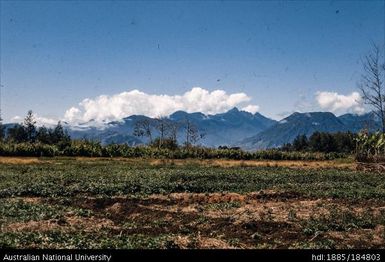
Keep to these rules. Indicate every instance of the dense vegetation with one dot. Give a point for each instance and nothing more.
(367, 147)
(342, 142)
(95, 149)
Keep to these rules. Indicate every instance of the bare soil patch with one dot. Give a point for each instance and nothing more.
(66, 224)
(266, 217)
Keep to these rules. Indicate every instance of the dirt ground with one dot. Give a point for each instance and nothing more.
(218, 220)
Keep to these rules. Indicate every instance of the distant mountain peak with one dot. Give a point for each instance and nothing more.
(182, 115)
(179, 112)
(233, 110)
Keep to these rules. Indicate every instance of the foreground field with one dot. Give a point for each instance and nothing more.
(101, 203)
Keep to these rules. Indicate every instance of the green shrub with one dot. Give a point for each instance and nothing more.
(370, 147)
(28, 149)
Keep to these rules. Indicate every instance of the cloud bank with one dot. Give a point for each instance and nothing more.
(336, 103)
(115, 107)
(251, 108)
(40, 120)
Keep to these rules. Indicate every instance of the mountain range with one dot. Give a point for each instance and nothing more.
(220, 129)
(236, 128)
(233, 128)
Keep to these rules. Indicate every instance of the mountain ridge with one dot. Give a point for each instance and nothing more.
(307, 123)
(219, 129)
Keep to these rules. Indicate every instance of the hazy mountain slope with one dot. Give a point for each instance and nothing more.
(356, 123)
(226, 128)
(288, 128)
(219, 129)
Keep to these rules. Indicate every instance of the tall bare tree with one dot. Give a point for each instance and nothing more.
(173, 128)
(143, 128)
(192, 133)
(163, 128)
(372, 84)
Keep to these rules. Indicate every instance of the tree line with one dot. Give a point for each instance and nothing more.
(28, 132)
(341, 142)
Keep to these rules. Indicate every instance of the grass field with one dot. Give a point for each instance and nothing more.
(133, 203)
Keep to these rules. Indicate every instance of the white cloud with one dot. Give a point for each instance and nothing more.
(251, 108)
(40, 120)
(45, 121)
(71, 114)
(116, 107)
(337, 103)
(17, 119)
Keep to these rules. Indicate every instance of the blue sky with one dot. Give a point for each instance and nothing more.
(55, 54)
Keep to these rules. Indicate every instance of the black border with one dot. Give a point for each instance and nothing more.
(215, 254)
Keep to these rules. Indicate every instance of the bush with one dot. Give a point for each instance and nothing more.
(370, 147)
(84, 148)
(28, 149)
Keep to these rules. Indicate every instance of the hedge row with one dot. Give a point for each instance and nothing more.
(95, 149)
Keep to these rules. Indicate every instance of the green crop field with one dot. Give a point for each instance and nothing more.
(101, 203)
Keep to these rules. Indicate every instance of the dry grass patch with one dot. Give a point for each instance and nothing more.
(359, 238)
(228, 163)
(69, 223)
(20, 160)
